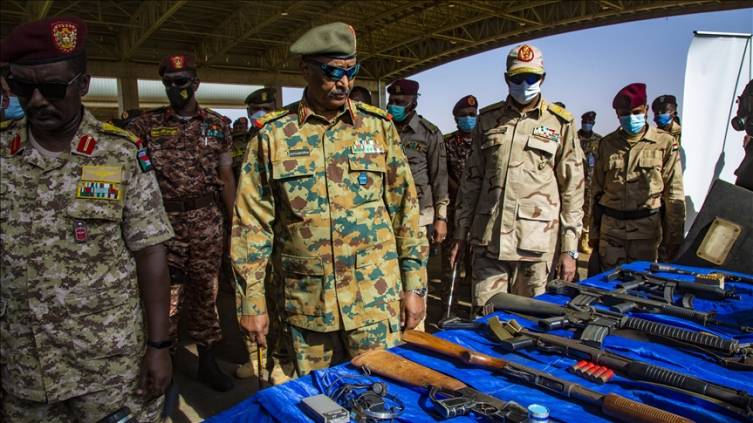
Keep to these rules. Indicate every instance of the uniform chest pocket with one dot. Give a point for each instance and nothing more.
(297, 184)
(95, 221)
(494, 147)
(165, 150)
(366, 176)
(650, 168)
(540, 154)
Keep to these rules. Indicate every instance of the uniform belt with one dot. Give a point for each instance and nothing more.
(188, 204)
(629, 214)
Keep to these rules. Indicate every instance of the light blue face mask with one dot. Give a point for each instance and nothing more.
(587, 127)
(467, 123)
(14, 110)
(663, 120)
(633, 124)
(397, 112)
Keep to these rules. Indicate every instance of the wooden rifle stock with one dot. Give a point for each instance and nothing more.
(392, 366)
(612, 405)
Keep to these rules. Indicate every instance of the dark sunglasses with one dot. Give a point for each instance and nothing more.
(529, 78)
(180, 81)
(335, 73)
(49, 90)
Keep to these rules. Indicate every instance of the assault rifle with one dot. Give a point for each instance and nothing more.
(729, 277)
(450, 397)
(513, 337)
(612, 405)
(621, 302)
(664, 288)
(598, 323)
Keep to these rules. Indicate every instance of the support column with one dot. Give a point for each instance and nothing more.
(382, 99)
(278, 94)
(128, 94)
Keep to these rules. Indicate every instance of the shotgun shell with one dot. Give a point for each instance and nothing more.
(577, 366)
(604, 377)
(587, 374)
(587, 367)
(595, 375)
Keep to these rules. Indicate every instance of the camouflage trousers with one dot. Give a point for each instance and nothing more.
(446, 268)
(614, 252)
(322, 350)
(492, 276)
(587, 206)
(86, 408)
(196, 249)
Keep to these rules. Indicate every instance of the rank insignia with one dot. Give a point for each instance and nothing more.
(546, 133)
(98, 190)
(86, 145)
(363, 178)
(144, 162)
(15, 144)
(414, 146)
(101, 174)
(80, 233)
(366, 147)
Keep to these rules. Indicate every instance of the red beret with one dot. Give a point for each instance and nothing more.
(632, 96)
(45, 41)
(403, 87)
(177, 63)
(467, 101)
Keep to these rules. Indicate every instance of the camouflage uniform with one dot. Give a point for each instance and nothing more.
(632, 175)
(333, 206)
(521, 191)
(240, 142)
(589, 146)
(676, 131)
(185, 156)
(457, 150)
(71, 323)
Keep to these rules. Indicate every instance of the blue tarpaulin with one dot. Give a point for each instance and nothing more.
(280, 403)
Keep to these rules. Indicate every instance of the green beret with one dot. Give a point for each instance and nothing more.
(336, 40)
(261, 96)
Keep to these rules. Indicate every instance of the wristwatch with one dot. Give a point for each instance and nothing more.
(573, 254)
(420, 292)
(160, 344)
(443, 219)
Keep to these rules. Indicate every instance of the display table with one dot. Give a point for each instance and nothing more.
(280, 403)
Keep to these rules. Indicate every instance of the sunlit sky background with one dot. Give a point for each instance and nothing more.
(585, 69)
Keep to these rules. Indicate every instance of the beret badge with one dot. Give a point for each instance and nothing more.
(65, 36)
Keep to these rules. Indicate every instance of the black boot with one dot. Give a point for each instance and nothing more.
(210, 373)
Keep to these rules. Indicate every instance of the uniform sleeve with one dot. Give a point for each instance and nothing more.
(437, 160)
(674, 198)
(145, 222)
(470, 188)
(402, 204)
(252, 235)
(571, 182)
(139, 128)
(597, 189)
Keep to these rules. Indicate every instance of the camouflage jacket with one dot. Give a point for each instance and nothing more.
(70, 311)
(636, 176)
(185, 155)
(422, 143)
(334, 207)
(457, 150)
(240, 142)
(589, 145)
(523, 184)
(676, 131)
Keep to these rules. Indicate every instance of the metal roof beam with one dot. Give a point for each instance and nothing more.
(38, 9)
(150, 16)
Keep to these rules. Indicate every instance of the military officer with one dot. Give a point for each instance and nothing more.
(190, 151)
(361, 94)
(589, 142)
(240, 125)
(81, 233)
(258, 104)
(665, 116)
(326, 195)
(522, 188)
(637, 168)
(457, 148)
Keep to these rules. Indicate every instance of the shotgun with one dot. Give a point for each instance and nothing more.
(665, 288)
(729, 277)
(612, 405)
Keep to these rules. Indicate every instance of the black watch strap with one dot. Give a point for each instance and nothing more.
(160, 344)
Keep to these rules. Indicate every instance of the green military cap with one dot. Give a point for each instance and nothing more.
(261, 96)
(336, 40)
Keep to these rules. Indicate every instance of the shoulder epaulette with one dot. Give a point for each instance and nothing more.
(559, 111)
(430, 126)
(7, 124)
(114, 130)
(449, 136)
(219, 115)
(373, 110)
(492, 107)
(269, 117)
(158, 109)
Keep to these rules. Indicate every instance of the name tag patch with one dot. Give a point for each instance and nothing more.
(300, 153)
(163, 131)
(546, 133)
(366, 147)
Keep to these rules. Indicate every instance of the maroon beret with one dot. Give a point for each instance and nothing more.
(45, 41)
(630, 97)
(403, 87)
(590, 114)
(177, 63)
(467, 101)
(663, 99)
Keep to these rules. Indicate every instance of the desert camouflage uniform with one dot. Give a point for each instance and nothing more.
(457, 150)
(185, 156)
(71, 323)
(676, 131)
(589, 146)
(521, 191)
(333, 206)
(635, 175)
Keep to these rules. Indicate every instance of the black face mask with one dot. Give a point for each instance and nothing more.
(179, 96)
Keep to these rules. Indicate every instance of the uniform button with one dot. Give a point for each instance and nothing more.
(542, 165)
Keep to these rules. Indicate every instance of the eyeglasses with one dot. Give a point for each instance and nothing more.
(49, 90)
(335, 73)
(180, 81)
(529, 78)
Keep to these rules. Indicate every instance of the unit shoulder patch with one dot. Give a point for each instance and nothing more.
(269, 117)
(430, 126)
(559, 111)
(492, 107)
(374, 110)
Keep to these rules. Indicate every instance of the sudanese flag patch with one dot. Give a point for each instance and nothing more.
(144, 162)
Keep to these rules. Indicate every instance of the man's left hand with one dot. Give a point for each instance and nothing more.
(156, 373)
(566, 266)
(439, 232)
(412, 310)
